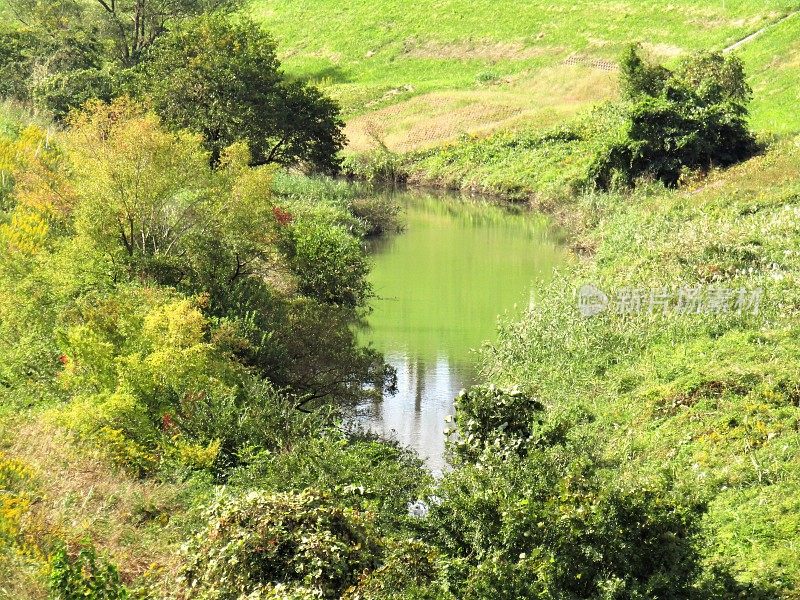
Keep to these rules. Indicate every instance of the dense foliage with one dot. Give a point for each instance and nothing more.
(128, 26)
(173, 289)
(295, 544)
(669, 126)
(200, 70)
(222, 79)
(84, 576)
(692, 118)
(491, 418)
(177, 347)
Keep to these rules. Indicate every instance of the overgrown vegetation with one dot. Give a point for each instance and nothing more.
(199, 69)
(174, 317)
(177, 335)
(669, 125)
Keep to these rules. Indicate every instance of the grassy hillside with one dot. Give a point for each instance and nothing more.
(773, 64)
(710, 399)
(477, 66)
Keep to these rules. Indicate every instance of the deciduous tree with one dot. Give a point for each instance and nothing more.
(222, 79)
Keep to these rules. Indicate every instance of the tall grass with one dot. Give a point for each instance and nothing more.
(711, 400)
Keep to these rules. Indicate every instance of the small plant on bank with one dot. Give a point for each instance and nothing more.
(492, 417)
(84, 576)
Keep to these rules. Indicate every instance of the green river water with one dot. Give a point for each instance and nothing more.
(440, 286)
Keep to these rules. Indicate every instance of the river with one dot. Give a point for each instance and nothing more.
(440, 286)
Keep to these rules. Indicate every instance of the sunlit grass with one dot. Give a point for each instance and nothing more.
(426, 74)
(710, 400)
(773, 64)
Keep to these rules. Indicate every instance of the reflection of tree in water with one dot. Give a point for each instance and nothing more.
(418, 373)
(416, 377)
(415, 415)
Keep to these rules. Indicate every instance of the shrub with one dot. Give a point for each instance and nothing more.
(409, 572)
(58, 67)
(84, 576)
(221, 431)
(692, 118)
(16, 480)
(378, 213)
(329, 263)
(361, 473)
(377, 166)
(490, 417)
(550, 525)
(257, 542)
(62, 92)
(18, 49)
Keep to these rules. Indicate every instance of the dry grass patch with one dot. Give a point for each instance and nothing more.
(542, 98)
(81, 497)
(479, 50)
(663, 50)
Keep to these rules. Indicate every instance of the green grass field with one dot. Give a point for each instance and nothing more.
(773, 64)
(415, 77)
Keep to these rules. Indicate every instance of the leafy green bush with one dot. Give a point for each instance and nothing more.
(409, 572)
(18, 50)
(84, 576)
(361, 473)
(260, 544)
(62, 92)
(329, 263)
(377, 166)
(693, 118)
(490, 417)
(549, 525)
(378, 213)
(58, 68)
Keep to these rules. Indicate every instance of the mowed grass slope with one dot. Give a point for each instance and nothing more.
(772, 62)
(416, 75)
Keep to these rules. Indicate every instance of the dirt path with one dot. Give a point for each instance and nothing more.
(758, 33)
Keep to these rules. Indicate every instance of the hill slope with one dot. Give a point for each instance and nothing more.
(415, 77)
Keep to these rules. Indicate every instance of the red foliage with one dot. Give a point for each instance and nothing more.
(284, 217)
(63, 359)
(167, 424)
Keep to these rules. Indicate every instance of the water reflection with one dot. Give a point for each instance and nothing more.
(440, 286)
(415, 416)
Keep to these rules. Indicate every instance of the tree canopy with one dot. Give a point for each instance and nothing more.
(222, 79)
(691, 118)
(130, 26)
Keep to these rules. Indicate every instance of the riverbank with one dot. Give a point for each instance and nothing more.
(706, 397)
(709, 398)
(478, 66)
